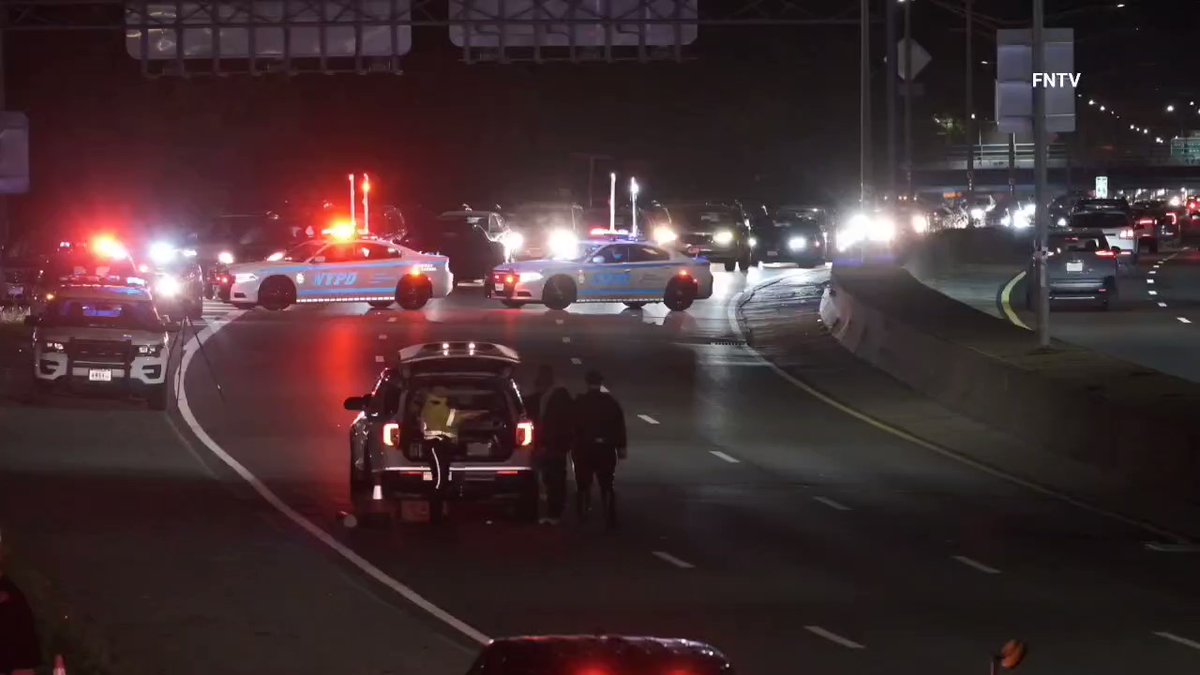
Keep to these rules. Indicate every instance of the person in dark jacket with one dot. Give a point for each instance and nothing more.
(551, 409)
(20, 650)
(599, 443)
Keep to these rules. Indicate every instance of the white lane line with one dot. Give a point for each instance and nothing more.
(1178, 639)
(566, 338)
(1150, 281)
(648, 419)
(1172, 548)
(731, 317)
(379, 358)
(1182, 320)
(382, 336)
(834, 637)
(720, 455)
(392, 319)
(576, 361)
(976, 564)
(364, 565)
(558, 322)
(604, 389)
(1162, 304)
(1152, 292)
(837, 506)
(681, 564)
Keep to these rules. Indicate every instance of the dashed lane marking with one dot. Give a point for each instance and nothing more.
(835, 505)
(1178, 639)
(834, 637)
(648, 419)
(720, 455)
(1152, 292)
(975, 564)
(681, 564)
(1183, 320)
(1162, 304)
(576, 361)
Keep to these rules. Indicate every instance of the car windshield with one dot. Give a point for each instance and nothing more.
(700, 218)
(583, 251)
(1099, 219)
(102, 313)
(303, 252)
(1079, 244)
(83, 265)
(1102, 205)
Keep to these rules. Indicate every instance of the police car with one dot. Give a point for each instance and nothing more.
(493, 444)
(102, 338)
(355, 270)
(628, 271)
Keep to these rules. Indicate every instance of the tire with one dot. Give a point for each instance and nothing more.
(381, 304)
(730, 265)
(527, 505)
(512, 304)
(413, 293)
(635, 305)
(679, 295)
(243, 305)
(559, 292)
(156, 396)
(744, 263)
(277, 293)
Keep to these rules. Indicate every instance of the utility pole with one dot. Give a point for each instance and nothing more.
(864, 108)
(908, 94)
(891, 75)
(969, 121)
(1040, 216)
(1012, 165)
(591, 160)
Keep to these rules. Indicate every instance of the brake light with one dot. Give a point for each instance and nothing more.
(510, 279)
(415, 272)
(684, 273)
(391, 434)
(1105, 254)
(1172, 218)
(1126, 234)
(1145, 221)
(599, 230)
(524, 433)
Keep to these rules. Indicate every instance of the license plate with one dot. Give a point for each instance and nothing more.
(1074, 267)
(99, 376)
(772, 254)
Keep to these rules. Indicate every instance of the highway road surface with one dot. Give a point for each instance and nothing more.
(794, 536)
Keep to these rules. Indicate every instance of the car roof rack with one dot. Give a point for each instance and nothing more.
(457, 349)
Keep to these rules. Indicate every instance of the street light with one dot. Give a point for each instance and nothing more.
(1091, 101)
(1101, 108)
(633, 193)
(1170, 108)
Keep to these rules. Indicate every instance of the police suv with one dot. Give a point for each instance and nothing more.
(601, 270)
(108, 339)
(357, 270)
(491, 447)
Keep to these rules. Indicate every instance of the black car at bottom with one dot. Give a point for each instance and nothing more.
(586, 654)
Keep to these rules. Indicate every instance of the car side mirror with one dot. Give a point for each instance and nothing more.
(356, 403)
(31, 320)
(598, 260)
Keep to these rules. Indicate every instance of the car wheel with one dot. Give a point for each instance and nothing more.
(527, 504)
(559, 292)
(413, 292)
(680, 294)
(744, 262)
(512, 304)
(381, 304)
(277, 293)
(156, 397)
(730, 265)
(635, 305)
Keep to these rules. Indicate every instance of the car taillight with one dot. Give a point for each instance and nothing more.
(1174, 220)
(1126, 234)
(1145, 221)
(524, 433)
(391, 434)
(1105, 254)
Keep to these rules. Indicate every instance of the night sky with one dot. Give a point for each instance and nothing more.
(759, 113)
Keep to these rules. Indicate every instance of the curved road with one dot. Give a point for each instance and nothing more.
(793, 536)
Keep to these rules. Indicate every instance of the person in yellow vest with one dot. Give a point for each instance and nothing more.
(440, 425)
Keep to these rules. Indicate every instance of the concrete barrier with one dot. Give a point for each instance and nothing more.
(1108, 413)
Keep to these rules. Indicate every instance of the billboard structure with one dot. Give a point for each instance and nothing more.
(572, 30)
(269, 35)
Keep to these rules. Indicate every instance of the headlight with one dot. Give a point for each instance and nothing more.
(562, 243)
(1062, 222)
(245, 277)
(797, 243)
(53, 346)
(753, 242)
(167, 287)
(977, 213)
(149, 350)
(1020, 220)
(1029, 209)
(275, 257)
(881, 230)
(225, 258)
(920, 223)
(189, 253)
(664, 234)
(854, 231)
(1006, 220)
(161, 253)
(530, 276)
(723, 238)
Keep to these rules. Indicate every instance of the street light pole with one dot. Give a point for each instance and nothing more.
(908, 94)
(633, 193)
(890, 92)
(969, 122)
(1040, 215)
(353, 199)
(366, 199)
(612, 202)
(864, 110)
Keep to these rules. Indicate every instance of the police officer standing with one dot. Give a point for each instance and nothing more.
(552, 412)
(599, 443)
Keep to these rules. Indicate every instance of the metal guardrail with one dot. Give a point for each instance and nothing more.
(995, 156)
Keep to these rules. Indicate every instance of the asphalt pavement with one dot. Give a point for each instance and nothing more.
(794, 536)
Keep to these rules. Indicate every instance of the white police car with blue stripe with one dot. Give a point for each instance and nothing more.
(357, 270)
(632, 272)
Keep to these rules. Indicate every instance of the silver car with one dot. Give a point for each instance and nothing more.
(1081, 267)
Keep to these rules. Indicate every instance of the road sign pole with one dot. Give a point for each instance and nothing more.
(969, 122)
(612, 202)
(864, 104)
(353, 205)
(889, 13)
(1040, 215)
(908, 94)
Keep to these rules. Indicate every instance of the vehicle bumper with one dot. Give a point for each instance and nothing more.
(525, 292)
(715, 254)
(57, 370)
(1081, 289)
(243, 292)
(466, 483)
